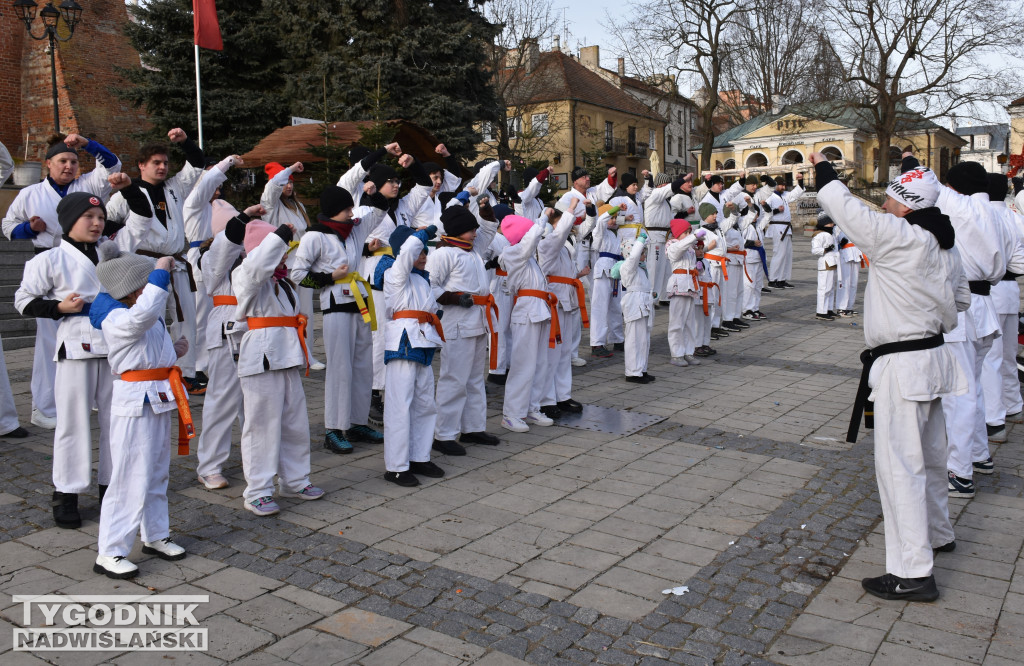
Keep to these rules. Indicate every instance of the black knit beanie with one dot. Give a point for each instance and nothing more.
(579, 172)
(457, 220)
(968, 178)
(334, 199)
(74, 205)
(380, 174)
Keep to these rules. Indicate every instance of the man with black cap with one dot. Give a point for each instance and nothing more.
(33, 216)
(363, 160)
(780, 230)
(166, 195)
(59, 285)
(966, 203)
(914, 290)
(629, 197)
(530, 206)
(457, 271)
(327, 259)
(435, 179)
(657, 215)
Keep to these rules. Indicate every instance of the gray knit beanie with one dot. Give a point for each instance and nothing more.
(121, 274)
(662, 179)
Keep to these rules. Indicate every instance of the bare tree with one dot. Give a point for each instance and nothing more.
(933, 55)
(687, 39)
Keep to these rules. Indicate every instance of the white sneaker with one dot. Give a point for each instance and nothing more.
(538, 418)
(692, 360)
(214, 481)
(317, 365)
(115, 567)
(514, 424)
(578, 361)
(165, 549)
(680, 361)
(43, 421)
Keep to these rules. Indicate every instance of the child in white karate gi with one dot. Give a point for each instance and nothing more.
(683, 291)
(637, 309)
(823, 246)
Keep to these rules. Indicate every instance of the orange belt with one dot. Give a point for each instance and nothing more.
(297, 322)
(688, 271)
(573, 282)
(722, 261)
(224, 300)
(424, 318)
(864, 263)
(704, 287)
(186, 430)
(489, 304)
(744, 262)
(500, 273)
(555, 334)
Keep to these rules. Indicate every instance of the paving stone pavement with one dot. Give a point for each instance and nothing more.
(559, 545)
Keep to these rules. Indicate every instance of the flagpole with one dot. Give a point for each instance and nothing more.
(199, 100)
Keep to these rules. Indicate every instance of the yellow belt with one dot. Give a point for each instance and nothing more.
(366, 309)
(630, 226)
(382, 251)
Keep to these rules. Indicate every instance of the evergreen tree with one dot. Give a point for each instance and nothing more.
(427, 57)
(242, 86)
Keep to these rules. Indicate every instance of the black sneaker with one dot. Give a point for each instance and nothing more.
(785, 285)
(407, 479)
(619, 346)
(427, 469)
(945, 548)
(761, 315)
(823, 317)
(959, 486)
(985, 466)
(551, 411)
(103, 491)
(600, 352)
(649, 377)
(739, 323)
(449, 447)
(192, 386)
(833, 314)
(202, 378)
(719, 332)
(364, 433)
(17, 433)
(495, 378)
(570, 406)
(485, 438)
(996, 434)
(749, 314)
(636, 379)
(336, 442)
(65, 510)
(894, 588)
(700, 352)
(377, 406)
(728, 326)
(766, 290)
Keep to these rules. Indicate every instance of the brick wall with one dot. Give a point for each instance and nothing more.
(85, 80)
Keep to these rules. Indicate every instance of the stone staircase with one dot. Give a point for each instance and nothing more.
(17, 331)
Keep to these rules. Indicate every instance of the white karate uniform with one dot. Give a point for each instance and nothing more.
(850, 258)
(410, 412)
(657, 216)
(556, 260)
(140, 425)
(169, 240)
(531, 206)
(753, 275)
(823, 246)
(914, 291)
(278, 214)
(637, 311)
(461, 396)
(709, 294)
(736, 256)
(347, 341)
(40, 200)
(683, 292)
(606, 325)
(222, 404)
(503, 300)
(978, 243)
(530, 324)
(780, 230)
(720, 301)
(275, 436)
(999, 370)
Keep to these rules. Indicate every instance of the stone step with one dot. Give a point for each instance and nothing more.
(18, 326)
(18, 342)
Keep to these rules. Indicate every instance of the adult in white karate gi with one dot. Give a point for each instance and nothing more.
(327, 258)
(129, 312)
(780, 231)
(657, 215)
(914, 291)
(530, 206)
(166, 236)
(629, 197)
(637, 310)
(461, 287)
(750, 213)
(33, 216)
(275, 436)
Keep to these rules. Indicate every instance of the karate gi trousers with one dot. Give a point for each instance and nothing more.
(719, 301)
(999, 372)
(461, 397)
(8, 412)
(781, 266)
(846, 295)
(910, 466)
(410, 414)
(140, 451)
(682, 325)
(734, 286)
(204, 304)
(658, 265)
(275, 437)
(525, 385)
(222, 405)
(349, 381)
(182, 296)
(44, 368)
(826, 291)
(558, 367)
(965, 414)
(638, 345)
(752, 287)
(79, 385)
(503, 327)
(306, 308)
(606, 325)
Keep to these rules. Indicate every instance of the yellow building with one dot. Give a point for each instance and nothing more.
(1016, 111)
(563, 114)
(778, 143)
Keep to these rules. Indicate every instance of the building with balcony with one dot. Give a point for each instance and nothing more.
(989, 145)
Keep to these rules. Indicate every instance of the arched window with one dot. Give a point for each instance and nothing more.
(718, 165)
(729, 164)
(757, 160)
(832, 153)
(792, 157)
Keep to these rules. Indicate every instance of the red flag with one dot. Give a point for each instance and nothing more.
(207, 30)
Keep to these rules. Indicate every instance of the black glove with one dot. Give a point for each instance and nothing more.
(466, 300)
(491, 264)
(591, 210)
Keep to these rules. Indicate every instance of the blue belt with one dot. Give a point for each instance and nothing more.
(764, 258)
(611, 255)
(83, 313)
(193, 244)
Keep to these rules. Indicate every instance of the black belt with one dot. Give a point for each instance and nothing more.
(980, 287)
(1009, 276)
(658, 228)
(352, 307)
(830, 248)
(861, 404)
(40, 250)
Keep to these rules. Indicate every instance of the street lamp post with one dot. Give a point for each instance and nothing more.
(71, 12)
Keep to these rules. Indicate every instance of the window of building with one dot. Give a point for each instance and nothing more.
(681, 152)
(693, 123)
(631, 140)
(680, 116)
(609, 135)
(515, 127)
(832, 153)
(487, 131)
(540, 124)
(668, 144)
(652, 138)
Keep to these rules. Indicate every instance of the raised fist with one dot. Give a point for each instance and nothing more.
(176, 135)
(405, 161)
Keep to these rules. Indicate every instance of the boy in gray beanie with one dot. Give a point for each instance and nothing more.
(146, 390)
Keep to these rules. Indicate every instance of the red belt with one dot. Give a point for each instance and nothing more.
(186, 430)
(558, 279)
(555, 332)
(744, 254)
(296, 322)
(423, 318)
